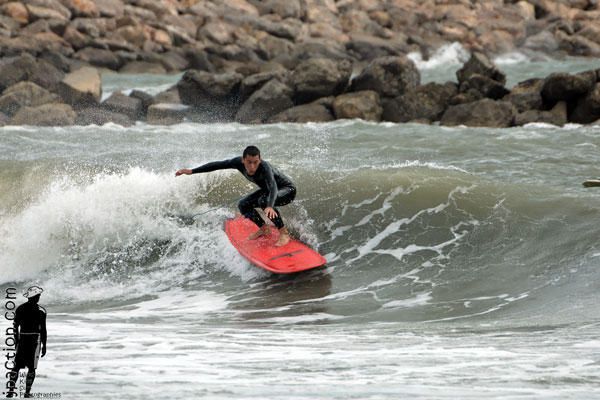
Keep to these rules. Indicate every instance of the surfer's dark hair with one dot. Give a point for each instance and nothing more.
(251, 151)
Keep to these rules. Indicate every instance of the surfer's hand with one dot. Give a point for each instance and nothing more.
(270, 212)
(43, 350)
(184, 171)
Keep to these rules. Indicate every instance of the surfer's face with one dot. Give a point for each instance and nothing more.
(251, 164)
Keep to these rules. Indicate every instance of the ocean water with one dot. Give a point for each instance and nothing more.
(462, 262)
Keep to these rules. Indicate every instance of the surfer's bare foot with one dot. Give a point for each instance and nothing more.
(284, 237)
(262, 231)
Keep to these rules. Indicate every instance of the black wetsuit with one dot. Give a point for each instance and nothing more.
(276, 189)
(30, 329)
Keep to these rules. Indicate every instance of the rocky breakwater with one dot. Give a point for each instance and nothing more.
(242, 36)
(319, 89)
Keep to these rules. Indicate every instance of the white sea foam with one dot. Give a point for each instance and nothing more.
(511, 58)
(110, 223)
(450, 54)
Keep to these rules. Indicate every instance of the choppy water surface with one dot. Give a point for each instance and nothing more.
(462, 262)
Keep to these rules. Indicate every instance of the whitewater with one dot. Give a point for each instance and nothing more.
(462, 262)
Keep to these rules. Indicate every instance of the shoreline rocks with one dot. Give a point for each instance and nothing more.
(254, 61)
(318, 90)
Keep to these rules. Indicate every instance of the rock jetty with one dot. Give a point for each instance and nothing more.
(264, 61)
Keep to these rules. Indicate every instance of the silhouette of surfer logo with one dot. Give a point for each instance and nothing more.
(30, 340)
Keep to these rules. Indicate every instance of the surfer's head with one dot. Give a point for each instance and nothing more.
(251, 159)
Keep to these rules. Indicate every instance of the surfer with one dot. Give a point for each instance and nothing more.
(276, 190)
(30, 335)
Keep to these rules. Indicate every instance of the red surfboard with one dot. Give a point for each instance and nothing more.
(292, 257)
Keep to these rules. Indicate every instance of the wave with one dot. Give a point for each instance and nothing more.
(429, 241)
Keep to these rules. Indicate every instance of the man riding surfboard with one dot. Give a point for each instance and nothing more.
(276, 189)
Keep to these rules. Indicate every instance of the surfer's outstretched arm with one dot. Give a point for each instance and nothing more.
(208, 167)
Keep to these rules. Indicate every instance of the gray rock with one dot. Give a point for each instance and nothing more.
(143, 67)
(99, 58)
(46, 9)
(174, 61)
(526, 95)
(367, 47)
(587, 109)
(214, 96)
(146, 99)
(563, 86)
(252, 83)
(320, 77)
(388, 76)
(577, 45)
(480, 64)
(195, 86)
(485, 112)
(81, 88)
(24, 94)
(557, 116)
(363, 104)
(101, 116)
(4, 119)
(543, 41)
(59, 61)
(122, 104)
(45, 115)
(283, 8)
(272, 98)
(469, 96)
(312, 112)
(169, 96)
(427, 102)
(317, 48)
(167, 113)
(198, 59)
(486, 86)
(27, 68)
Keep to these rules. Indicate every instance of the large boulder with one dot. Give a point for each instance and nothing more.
(24, 94)
(82, 87)
(252, 83)
(485, 112)
(214, 96)
(99, 58)
(320, 77)
(101, 116)
(486, 86)
(27, 68)
(312, 112)
(82, 8)
(146, 99)
(110, 8)
(557, 116)
(122, 104)
(17, 11)
(167, 113)
(563, 86)
(388, 76)
(283, 8)
(364, 105)
(427, 102)
(367, 47)
(587, 109)
(267, 101)
(47, 9)
(480, 64)
(526, 95)
(45, 115)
